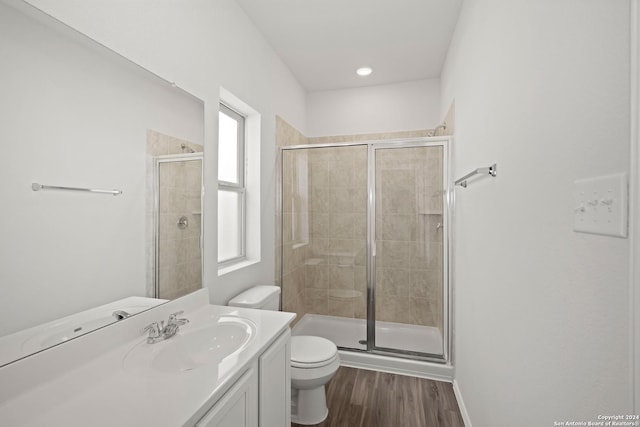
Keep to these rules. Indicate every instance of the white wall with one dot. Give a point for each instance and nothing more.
(73, 115)
(541, 312)
(202, 47)
(374, 109)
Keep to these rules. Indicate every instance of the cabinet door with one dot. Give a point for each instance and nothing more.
(238, 407)
(275, 383)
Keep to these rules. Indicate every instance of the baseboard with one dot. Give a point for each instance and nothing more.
(463, 408)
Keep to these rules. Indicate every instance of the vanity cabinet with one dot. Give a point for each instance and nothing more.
(275, 383)
(71, 383)
(238, 407)
(261, 397)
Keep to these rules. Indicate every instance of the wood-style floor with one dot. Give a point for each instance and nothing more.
(362, 398)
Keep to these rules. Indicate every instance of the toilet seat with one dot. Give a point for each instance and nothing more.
(312, 365)
(309, 352)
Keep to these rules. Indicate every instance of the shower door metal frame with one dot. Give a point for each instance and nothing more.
(372, 145)
(371, 243)
(158, 160)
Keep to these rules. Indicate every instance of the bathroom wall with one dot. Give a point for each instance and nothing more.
(374, 109)
(73, 115)
(203, 47)
(541, 312)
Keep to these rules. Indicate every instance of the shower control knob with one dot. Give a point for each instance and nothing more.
(183, 222)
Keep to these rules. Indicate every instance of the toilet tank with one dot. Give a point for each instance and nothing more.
(260, 297)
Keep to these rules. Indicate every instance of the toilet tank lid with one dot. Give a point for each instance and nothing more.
(254, 297)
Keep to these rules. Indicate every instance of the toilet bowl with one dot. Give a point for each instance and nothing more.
(314, 360)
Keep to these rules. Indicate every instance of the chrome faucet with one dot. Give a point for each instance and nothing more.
(121, 314)
(160, 331)
(173, 324)
(155, 333)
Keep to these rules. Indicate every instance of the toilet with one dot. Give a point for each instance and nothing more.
(314, 360)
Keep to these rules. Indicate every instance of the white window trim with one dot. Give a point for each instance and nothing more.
(252, 184)
(237, 187)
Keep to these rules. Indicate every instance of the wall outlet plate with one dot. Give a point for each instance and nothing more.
(601, 205)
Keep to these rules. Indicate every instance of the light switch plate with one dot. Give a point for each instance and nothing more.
(601, 204)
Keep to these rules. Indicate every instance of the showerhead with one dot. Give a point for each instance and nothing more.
(434, 132)
(187, 148)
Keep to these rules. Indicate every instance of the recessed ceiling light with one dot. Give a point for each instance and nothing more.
(364, 71)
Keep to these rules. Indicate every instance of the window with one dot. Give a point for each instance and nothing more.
(231, 187)
(239, 185)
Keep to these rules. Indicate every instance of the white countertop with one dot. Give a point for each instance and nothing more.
(93, 389)
(28, 341)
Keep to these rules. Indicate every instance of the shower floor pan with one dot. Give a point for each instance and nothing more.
(352, 333)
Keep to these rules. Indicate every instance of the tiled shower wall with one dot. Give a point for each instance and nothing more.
(180, 269)
(409, 228)
(292, 265)
(324, 224)
(336, 278)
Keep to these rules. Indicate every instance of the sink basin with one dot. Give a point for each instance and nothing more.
(63, 331)
(192, 347)
(28, 341)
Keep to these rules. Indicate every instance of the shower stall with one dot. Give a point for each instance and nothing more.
(364, 245)
(177, 224)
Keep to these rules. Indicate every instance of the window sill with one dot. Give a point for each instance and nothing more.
(237, 266)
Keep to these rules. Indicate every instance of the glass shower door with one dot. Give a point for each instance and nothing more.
(324, 241)
(408, 269)
(178, 257)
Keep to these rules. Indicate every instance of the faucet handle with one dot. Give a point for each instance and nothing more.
(153, 329)
(174, 321)
(155, 333)
(173, 317)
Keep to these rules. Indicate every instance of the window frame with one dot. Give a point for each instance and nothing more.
(238, 188)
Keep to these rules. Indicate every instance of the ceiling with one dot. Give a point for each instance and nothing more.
(323, 42)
